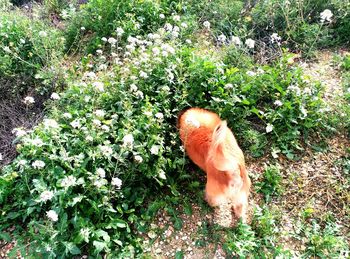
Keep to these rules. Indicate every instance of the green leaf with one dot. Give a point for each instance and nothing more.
(103, 234)
(99, 246)
(5, 236)
(179, 255)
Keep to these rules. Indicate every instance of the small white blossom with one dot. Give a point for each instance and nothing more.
(43, 34)
(104, 39)
(82, 28)
(99, 51)
(236, 40)
(52, 215)
(69, 181)
(106, 150)
(250, 73)
(188, 41)
(1, 157)
(37, 142)
(128, 140)
(159, 115)
(7, 49)
(326, 15)
(176, 18)
(75, 124)
(143, 74)
(117, 182)
(105, 128)
(275, 38)
(228, 86)
(99, 86)
(89, 138)
(250, 43)
(112, 41)
(139, 94)
(138, 159)
(50, 123)
(22, 162)
(19, 132)
(162, 16)
(85, 233)
(101, 172)
(304, 112)
(278, 103)
(29, 100)
(55, 96)
(96, 122)
(100, 113)
(38, 164)
(222, 38)
(154, 150)
(133, 88)
(269, 128)
(206, 24)
(67, 115)
(184, 25)
(46, 196)
(119, 31)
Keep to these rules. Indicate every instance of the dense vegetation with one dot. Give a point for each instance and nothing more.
(91, 176)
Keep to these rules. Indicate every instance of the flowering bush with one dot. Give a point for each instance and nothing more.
(28, 52)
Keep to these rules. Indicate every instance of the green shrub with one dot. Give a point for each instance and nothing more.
(28, 53)
(271, 182)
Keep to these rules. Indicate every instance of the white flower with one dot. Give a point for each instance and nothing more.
(7, 49)
(91, 75)
(168, 27)
(176, 18)
(326, 15)
(100, 113)
(82, 28)
(184, 25)
(37, 142)
(119, 31)
(112, 41)
(69, 181)
(106, 150)
(117, 182)
(101, 172)
(128, 140)
(161, 174)
(22, 162)
(304, 112)
(75, 124)
(133, 88)
(67, 115)
(159, 115)
(139, 94)
(250, 73)
(100, 182)
(154, 150)
(1, 157)
(188, 41)
(156, 51)
(222, 38)
(52, 215)
(278, 103)
(162, 16)
(55, 96)
(89, 138)
(275, 38)
(38, 164)
(104, 39)
(96, 122)
(250, 43)
(99, 52)
(236, 40)
(105, 128)
(50, 123)
(192, 121)
(307, 91)
(19, 132)
(143, 74)
(148, 113)
(29, 100)
(99, 86)
(138, 159)
(269, 128)
(42, 34)
(46, 196)
(206, 24)
(85, 233)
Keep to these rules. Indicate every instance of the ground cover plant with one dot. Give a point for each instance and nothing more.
(90, 178)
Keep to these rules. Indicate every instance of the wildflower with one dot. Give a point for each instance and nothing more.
(128, 140)
(101, 172)
(269, 128)
(75, 124)
(99, 86)
(82, 28)
(52, 215)
(22, 162)
(159, 115)
(326, 15)
(250, 43)
(139, 94)
(106, 150)
(7, 49)
(184, 25)
(138, 159)
(250, 73)
(161, 174)
(112, 41)
(117, 182)
(162, 16)
(104, 39)
(55, 96)
(1, 157)
(38, 164)
(43, 34)
(67, 115)
(119, 31)
(100, 182)
(168, 27)
(278, 103)
(100, 113)
(50, 123)
(22, 41)
(188, 41)
(99, 52)
(69, 181)
(29, 100)
(154, 150)
(206, 24)
(46, 196)
(133, 88)
(19, 132)
(37, 142)
(89, 138)
(176, 18)
(85, 233)
(105, 128)
(236, 40)
(91, 75)
(304, 112)
(222, 38)
(275, 38)
(143, 74)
